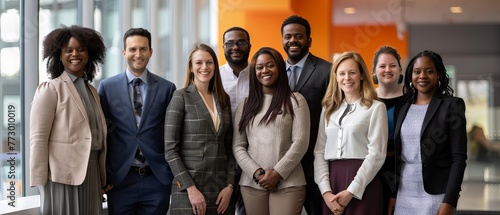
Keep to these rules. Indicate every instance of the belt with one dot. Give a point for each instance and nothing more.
(141, 170)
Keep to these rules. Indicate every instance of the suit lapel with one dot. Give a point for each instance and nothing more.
(431, 110)
(201, 107)
(74, 94)
(219, 114)
(309, 67)
(124, 98)
(150, 96)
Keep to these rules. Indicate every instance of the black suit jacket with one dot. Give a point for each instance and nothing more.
(443, 146)
(312, 84)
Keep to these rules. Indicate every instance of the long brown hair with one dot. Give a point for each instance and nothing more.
(334, 94)
(215, 84)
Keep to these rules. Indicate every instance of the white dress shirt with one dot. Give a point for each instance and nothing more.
(235, 86)
(362, 135)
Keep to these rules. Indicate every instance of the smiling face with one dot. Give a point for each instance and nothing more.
(137, 53)
(234, 53)
(74, 57)
(424, 76)
(349, 79)
(266, 71)
(202, 67)
(295, 42)
(387, 69)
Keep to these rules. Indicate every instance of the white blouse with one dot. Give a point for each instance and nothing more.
(363, 134)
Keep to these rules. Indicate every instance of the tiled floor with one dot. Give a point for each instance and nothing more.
(480, 189)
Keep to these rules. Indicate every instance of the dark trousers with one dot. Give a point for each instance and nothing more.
(314, 199)
(139, 194)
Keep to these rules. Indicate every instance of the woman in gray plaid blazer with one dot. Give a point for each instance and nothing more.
(198, 135)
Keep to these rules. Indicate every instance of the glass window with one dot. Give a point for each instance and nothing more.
(175, 27)
(53, 14)
(10, 98)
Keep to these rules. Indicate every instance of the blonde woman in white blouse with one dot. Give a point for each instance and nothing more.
(352, 141)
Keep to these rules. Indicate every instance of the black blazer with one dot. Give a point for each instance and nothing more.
(312, 84)
(443, 146)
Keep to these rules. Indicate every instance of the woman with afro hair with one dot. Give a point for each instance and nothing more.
(68, 128)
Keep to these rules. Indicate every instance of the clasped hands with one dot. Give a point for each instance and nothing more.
(199, 204)
(337, 203)
(268, 179)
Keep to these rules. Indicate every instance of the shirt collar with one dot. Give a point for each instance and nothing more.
(143, 76)
(299, 64)
(71, 76)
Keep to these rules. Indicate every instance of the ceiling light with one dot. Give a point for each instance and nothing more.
(349, 10)
(456, 9)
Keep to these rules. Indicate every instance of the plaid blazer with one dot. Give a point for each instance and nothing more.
(197, 153)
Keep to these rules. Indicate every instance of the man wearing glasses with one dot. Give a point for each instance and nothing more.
(235, 78)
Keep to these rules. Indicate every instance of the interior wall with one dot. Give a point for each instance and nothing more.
(474, 51)
(263, 18)
(366, 40)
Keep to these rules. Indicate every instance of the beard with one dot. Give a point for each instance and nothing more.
(243, 60)
(296, 56)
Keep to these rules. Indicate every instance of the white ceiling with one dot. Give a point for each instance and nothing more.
(416, 12)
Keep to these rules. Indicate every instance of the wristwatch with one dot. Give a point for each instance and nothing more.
(259, 172)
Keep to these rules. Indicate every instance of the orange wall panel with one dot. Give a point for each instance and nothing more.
(366, 40)
(263, 19)
(319, 13)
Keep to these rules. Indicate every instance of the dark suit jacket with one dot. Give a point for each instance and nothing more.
(443, 148)
(124, 136)
(312, 84)
(197, 153)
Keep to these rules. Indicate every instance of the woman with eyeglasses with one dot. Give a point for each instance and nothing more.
(352, 141)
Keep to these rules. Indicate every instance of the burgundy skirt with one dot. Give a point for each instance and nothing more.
(342, 172)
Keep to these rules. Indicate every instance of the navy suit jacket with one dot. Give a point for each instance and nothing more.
(124, 136)
(312, 84)
(443, 146)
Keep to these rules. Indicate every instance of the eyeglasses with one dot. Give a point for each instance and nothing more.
(240, 43)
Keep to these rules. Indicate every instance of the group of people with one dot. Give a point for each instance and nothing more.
(270, 136)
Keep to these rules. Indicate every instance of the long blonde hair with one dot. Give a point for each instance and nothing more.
(334, 94)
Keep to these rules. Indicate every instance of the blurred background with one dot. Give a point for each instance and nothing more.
(464, 32)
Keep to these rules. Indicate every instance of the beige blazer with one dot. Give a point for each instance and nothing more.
(60, 137)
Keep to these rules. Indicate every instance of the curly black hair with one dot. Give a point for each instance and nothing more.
(296, 19)
(444, 88)
(89, 38)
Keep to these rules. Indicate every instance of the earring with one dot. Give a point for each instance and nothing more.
(375, 79)
(411, 87)
(439, 83)
(400, 80)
